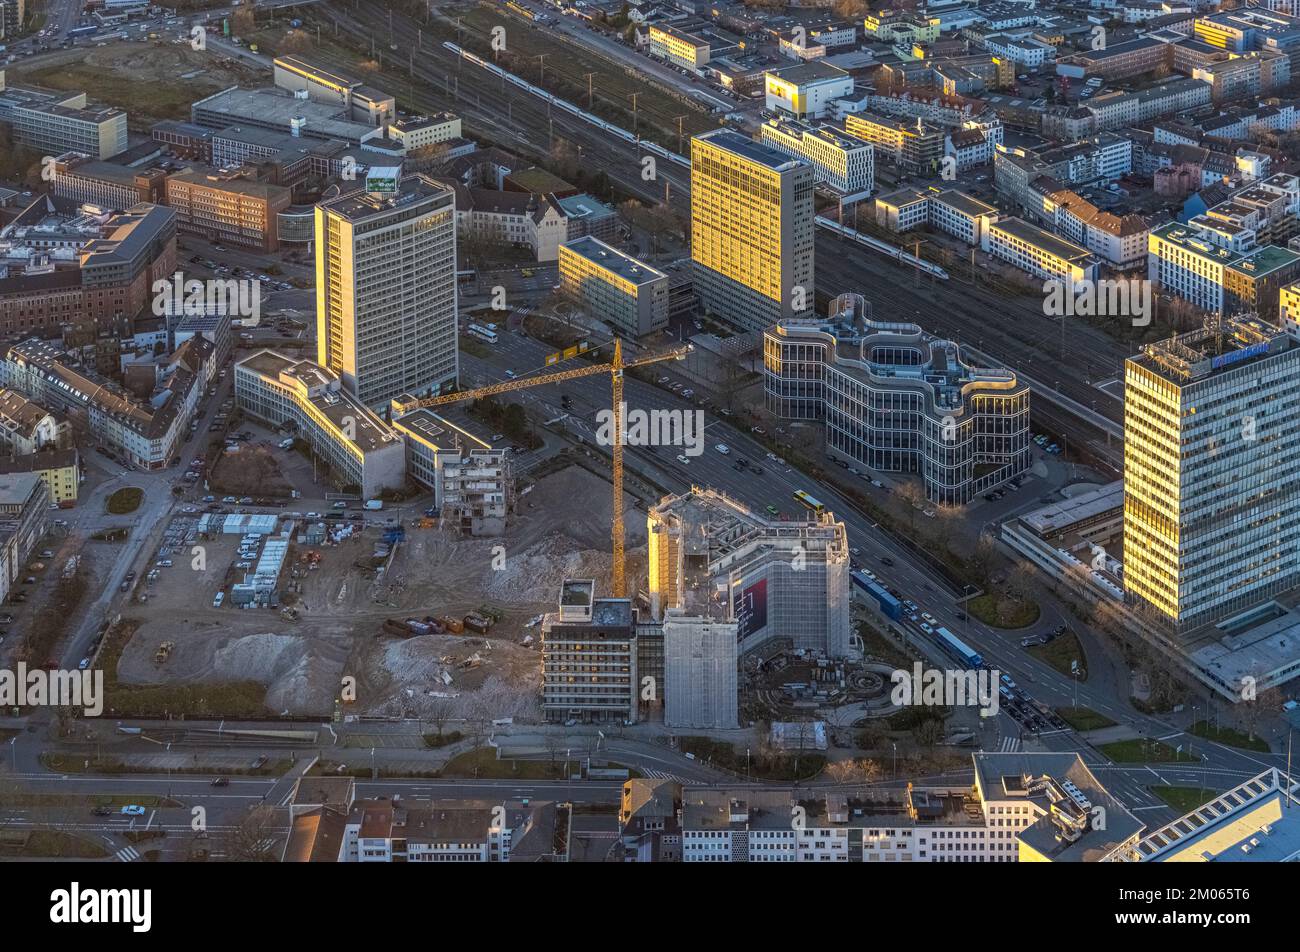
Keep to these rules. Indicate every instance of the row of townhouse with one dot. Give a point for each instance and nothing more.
(145, 433)
(1022, 807)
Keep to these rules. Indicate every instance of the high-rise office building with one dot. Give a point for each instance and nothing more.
(1211, 446)
(751, 230)
(386, 287)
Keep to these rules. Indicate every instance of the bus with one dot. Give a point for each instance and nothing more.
(482, 333)
(808, 501)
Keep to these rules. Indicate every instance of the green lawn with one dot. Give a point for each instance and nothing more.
(1060, 651)
(50, 843)
(1183, 799)
(127, 499)
(1229, 736)
(985, 608)
(1140, 751)
(1084, 718)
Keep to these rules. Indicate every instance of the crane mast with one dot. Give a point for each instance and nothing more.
(615, 368)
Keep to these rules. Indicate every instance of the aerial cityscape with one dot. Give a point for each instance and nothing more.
(649, 431)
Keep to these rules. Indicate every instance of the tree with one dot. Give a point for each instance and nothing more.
(437, 711)
(254, 838)
(929, 732)
(913, 496)
(981, 563)
(946, 518)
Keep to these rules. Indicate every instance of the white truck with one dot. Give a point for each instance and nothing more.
(374, 504)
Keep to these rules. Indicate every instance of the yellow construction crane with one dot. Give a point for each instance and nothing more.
(404, 404)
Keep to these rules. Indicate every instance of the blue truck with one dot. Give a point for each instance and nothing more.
(891, 606)
(958, 648)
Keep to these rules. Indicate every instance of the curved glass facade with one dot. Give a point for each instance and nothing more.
(897, 401)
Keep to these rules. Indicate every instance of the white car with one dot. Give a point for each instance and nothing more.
(930, 618)
(926, 628)
(724, 449)
(682, 459)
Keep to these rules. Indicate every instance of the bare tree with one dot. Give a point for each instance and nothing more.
(254, 838)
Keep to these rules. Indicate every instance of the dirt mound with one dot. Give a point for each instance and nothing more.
(535, 574)
(249, 471)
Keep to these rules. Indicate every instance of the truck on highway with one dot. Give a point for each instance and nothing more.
(374, 504)
(889, 605)
(958, 648)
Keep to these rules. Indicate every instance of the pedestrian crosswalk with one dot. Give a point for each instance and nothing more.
(663, 775)
(127, 854)
(1010, 745)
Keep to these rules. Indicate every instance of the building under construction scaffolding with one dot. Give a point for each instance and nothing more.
(715, 559)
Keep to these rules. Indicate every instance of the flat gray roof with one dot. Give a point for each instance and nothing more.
(611, 259)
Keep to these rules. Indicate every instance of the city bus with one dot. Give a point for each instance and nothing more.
(808, 501)
(482, 333)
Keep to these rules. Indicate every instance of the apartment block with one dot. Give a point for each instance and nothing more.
(55, 123)
(60, 470)
(629, 296)
(1217, 266)
(24, 519)
(228, 208)
(589, 658)
(141, 432)
(843, 163)
(362, 451)
(678, 47)
(914, 146)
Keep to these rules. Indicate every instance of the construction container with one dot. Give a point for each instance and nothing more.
(453, 625)
(477, 623)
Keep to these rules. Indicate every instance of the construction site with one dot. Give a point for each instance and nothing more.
(420, 619)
